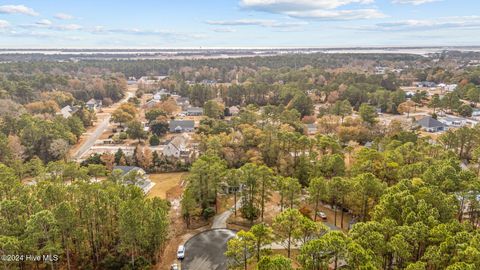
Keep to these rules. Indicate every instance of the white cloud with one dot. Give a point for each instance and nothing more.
(17, 9)
(316, 9)
(67, 27)
(285, 5)
(257, 22)
(459, 23)
(63, 16)
(162, 34)
(354, 14)
(4, 24)
(44, 22)
(414, 2)
(224, 30)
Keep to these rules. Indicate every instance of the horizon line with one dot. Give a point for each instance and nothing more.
(244, 47)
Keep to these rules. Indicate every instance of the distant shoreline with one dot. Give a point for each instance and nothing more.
(70, 54)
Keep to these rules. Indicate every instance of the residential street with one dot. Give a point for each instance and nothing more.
(93, 137)
(99, 130)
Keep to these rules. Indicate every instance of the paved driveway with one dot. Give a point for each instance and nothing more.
(205, 251)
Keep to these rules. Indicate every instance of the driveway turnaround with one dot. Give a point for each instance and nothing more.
(205, 251)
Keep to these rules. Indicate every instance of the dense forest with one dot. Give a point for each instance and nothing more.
(415, 206)
(103, 225)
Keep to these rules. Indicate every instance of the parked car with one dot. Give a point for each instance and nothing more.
(174, 267)
(181, 252)
(322, 215)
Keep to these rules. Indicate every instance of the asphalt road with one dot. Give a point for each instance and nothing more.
(205, 251)
(92, 138)
(220, 221)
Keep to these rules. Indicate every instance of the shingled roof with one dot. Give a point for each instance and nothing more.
(430, 122)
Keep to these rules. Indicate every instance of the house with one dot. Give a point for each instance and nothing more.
(178, 147)
(148, 80)
(380, 70)
(131, 80)
(183, 102)
(93, 104)
(476, 113)
(160, 94)
(311, 129)
(409, 94)
(67, 111)
(208, 82)
(430, 124)
(448, 87)
(151, 103)
(426, 84)
(226, 188)
(234, 110)
(194, 111)
(140, 178)
(179, 126)
(452, 121)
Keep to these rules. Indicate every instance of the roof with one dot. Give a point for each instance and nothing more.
(429, 122)
(311, 126)
(126, 169)
(66, 111)
(152, 101)
(144, 183)
(452, 119)
(67, 108)
(181, 123)
(195, 109)
(153, 78)
(162, 91)
(182, 100)
(178, 141)
(92, 102)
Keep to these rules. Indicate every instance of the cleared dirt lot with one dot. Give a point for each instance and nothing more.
(164, 183)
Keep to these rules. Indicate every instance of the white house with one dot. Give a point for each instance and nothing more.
(148, 80)
(177, 147)
(452, 121)
(450, 87)
(131, 80)
(160, 94)
(67, 111)
(476, 113)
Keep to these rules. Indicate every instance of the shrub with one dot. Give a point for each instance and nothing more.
(208, 212)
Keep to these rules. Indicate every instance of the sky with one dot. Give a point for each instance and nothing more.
(237, 23)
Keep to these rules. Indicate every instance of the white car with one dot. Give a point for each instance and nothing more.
(181, 252)
(322, 215)
(174, 267)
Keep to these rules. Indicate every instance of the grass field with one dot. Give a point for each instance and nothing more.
(165, 182)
